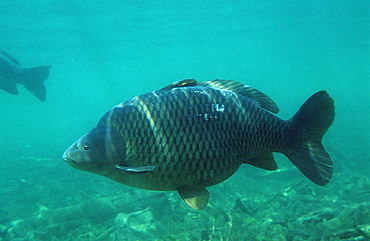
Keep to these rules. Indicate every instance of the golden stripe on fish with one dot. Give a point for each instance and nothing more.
(145, 109)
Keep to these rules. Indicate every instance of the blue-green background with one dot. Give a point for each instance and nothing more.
(105, 52)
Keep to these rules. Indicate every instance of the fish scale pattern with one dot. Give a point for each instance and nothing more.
(195, 136)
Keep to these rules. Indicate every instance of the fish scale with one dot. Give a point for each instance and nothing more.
(196, 126)
(191, 135)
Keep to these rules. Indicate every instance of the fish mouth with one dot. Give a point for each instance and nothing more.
(70, 161)
(67, 159)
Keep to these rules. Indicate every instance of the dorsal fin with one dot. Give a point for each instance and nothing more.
(10, 58)
(181, 83)
(263, 100)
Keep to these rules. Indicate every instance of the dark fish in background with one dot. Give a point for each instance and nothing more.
(191, 135)
(11, 73)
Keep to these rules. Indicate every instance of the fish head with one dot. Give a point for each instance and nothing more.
(98, 151)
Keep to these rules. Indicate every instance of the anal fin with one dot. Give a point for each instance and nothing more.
(197, 198)
(264, 160)
(9, 87)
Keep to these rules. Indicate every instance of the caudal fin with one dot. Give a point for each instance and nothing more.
(34, 79)
(312, 120)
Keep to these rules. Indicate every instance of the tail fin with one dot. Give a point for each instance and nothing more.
(34, 80)
(312, 120)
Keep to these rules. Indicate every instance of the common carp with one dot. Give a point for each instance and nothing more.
(191, 135)
(11, 73)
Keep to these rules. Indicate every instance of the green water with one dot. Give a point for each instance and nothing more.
(105, 52)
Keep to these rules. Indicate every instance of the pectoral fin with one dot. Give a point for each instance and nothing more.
(196, 198)
(136, 169)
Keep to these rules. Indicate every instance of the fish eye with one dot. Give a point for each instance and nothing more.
(86, 147)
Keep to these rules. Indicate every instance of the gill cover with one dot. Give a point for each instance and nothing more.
(98, 151)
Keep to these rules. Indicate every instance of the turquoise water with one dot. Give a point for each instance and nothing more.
(105, 52)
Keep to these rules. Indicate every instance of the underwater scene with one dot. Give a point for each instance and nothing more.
(64, 64)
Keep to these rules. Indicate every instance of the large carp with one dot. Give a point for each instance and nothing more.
(191, 135)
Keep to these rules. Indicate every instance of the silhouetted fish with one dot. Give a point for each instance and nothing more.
(191, 135)
(11, 73)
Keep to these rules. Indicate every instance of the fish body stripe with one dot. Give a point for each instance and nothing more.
(194, 134)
